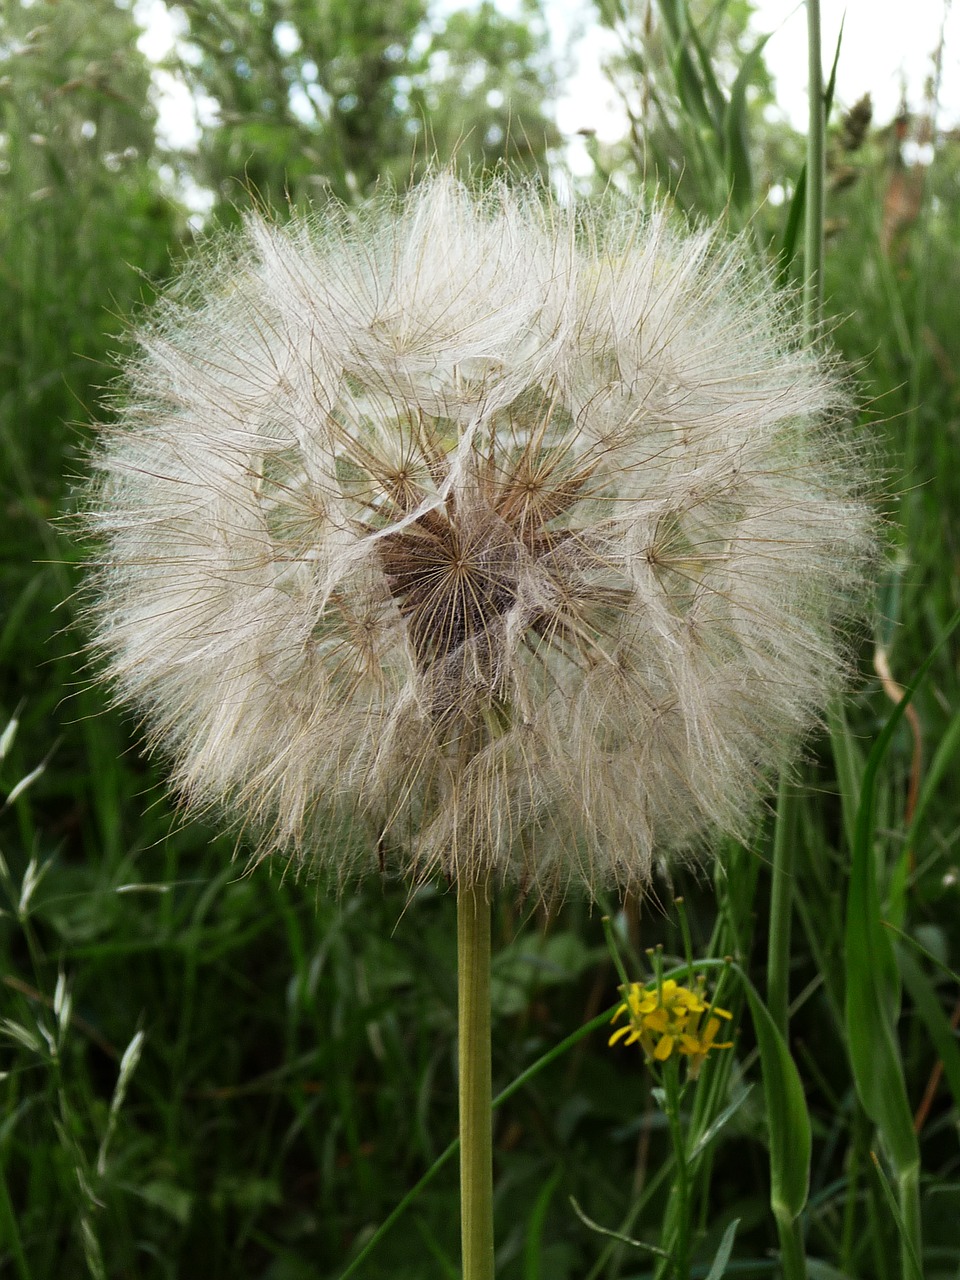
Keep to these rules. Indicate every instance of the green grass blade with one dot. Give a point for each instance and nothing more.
(832, 81)
(787, 1115)
(687, 81)
(931, 1011)
(791, 232)
(941, 761)
(872, 991)
(872, 1008)
(713, 91)
(8, 1220)
(849, 763)
(720, 1123)
(872, 994)
(533, 1245)
(910, 1252)
(735, 132)
(719, 1266)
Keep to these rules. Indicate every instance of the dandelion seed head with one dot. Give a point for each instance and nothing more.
(480, 535)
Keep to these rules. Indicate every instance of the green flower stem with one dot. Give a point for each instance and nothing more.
(476, 1137)
(676, 1232)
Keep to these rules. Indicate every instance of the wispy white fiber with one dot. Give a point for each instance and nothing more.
(472, 534)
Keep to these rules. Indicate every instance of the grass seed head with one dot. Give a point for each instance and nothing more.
(477, 534)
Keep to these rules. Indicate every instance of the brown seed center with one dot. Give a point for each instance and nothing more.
(452, 583)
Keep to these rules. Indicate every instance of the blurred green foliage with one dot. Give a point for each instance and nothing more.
(318, 96)
(296, 1071)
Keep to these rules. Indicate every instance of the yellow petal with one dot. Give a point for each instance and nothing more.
(663, 1049)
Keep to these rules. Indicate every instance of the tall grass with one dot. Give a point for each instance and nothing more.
(215, 1074)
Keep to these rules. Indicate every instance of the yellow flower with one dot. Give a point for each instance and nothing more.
(669, 1018)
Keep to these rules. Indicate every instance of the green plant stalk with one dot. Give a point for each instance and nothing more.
(476, 1135)
(793, 1259)
(910, 1241)
(781, 907)
(675, 1236)
(816, 180)
(781, 893)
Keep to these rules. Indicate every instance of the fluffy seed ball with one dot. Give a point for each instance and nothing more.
(475, 534)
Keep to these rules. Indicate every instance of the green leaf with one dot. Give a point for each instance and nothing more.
(928, 1005)
(791, 232)
(872, 993)
(848, 759)
(832, 82)
(787, 1116)
(817, 1269)
(720, 1122)
(911, 1256)
(941, 761)
(533, 1246)
(719, 1265)
(736, 133)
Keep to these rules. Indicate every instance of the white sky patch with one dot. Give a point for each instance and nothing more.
(180, 114)
(160, 28)
(887, 48)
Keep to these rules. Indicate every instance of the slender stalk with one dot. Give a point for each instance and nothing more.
(781, 908)
(476, 1137)
(816, 180)
(792, 1255)
(793, 1259)
(911, 1237)
(676, 1229)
